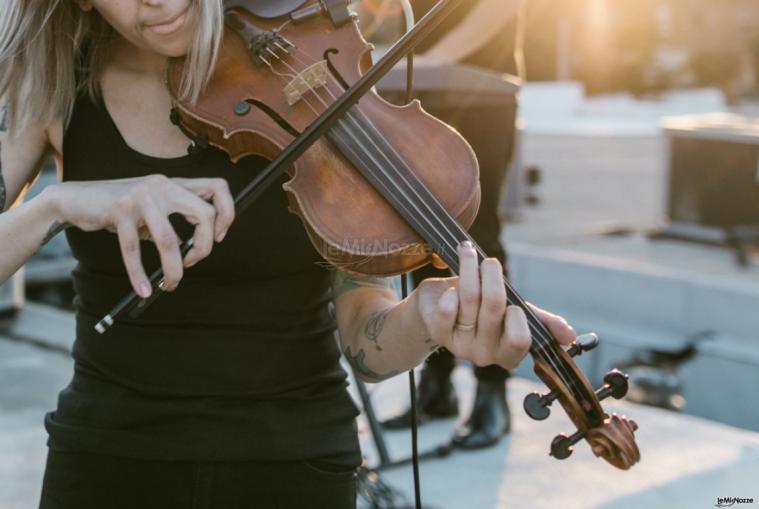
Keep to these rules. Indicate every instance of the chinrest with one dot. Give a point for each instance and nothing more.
(266, 8)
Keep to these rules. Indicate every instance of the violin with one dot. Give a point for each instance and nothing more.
(386, 190)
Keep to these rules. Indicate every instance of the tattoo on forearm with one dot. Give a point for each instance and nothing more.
(54, 230)
(342, 283)
(2, 182)
(374, 326)
(360, 367)
(433, 346)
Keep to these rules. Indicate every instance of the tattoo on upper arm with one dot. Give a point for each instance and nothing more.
(54, 230)
(374, 326)
(342, 283)
(360, 367)
(3, 127)
(2, 182)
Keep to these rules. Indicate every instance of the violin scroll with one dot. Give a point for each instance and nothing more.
(615, 441)
(611, 437)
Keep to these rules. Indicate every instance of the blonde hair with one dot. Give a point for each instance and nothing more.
(40, 46)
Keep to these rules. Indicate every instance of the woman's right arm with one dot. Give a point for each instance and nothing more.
(134, 209)
(22, 228)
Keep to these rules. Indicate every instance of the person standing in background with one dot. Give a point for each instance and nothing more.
(483, 34)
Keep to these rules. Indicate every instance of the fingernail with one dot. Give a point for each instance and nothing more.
(145, 290)
(467, 244)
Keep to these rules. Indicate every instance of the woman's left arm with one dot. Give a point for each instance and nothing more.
(382, 336)
(379, 335)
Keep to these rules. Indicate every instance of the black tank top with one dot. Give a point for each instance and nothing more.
(240, 362)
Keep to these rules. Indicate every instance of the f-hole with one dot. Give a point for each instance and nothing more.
(281, 122)
(333, 69)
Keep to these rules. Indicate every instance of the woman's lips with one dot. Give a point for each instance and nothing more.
(169, 26)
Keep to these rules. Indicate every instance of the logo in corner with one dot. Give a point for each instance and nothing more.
(731, 501)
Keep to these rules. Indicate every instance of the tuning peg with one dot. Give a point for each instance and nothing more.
(561, 446)
(583, 343)
(536, 404)
(615, 385)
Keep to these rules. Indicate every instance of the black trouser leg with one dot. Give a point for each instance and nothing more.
(492, 373)
(93, 481)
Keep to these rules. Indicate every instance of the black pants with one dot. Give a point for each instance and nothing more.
(84, 481)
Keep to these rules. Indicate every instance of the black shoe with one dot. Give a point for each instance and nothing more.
(435, 399)
(490, 417)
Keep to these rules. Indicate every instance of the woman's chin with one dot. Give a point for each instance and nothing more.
(177, 48)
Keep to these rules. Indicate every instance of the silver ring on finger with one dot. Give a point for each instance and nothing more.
(464, 327)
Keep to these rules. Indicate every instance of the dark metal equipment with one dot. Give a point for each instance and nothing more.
(656, 377)
(713, 182)
(11, 295)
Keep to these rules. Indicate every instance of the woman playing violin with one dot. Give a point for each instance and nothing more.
(227, 393)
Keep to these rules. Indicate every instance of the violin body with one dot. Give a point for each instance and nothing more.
(349, 223)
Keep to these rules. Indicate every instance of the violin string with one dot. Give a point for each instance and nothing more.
(548, 354)
(440, 211)
(437, 211)
(439, 214)
(557, 366)
(316, 112)
(323, 103)
(376, 163)
(351, 117)
(545, 351)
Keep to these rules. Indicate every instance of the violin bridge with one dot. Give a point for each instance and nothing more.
(310, 79)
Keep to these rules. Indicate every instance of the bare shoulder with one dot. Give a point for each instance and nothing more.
(55, 137)
(23, 154)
